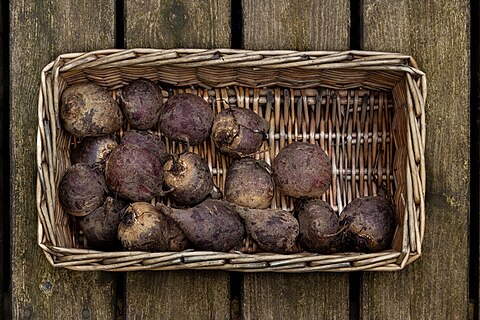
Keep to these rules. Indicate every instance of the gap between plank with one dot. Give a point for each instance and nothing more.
(119, 24)
(236, 21)
(356, 24)
(120, 278)
(356, 41)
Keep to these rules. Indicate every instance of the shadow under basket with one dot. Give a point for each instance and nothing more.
(365, 109)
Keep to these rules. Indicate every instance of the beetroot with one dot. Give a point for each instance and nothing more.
(319, 227)
(134, 173)
(189, 177)
(239, 131)
(274, 230)
(186, 118)
(81, 190)
(94, 151)
(88, 110)
(212, 225)
(144, 228)
(370, 224)
(147, 140)
(302, 170)
(249, 183)
(100, 227)
(141, 102)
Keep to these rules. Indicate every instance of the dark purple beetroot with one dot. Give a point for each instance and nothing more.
(134, 173)
(274, 230)
(89, 110)
(319, 227)
(212, 225)
(148, 140)
(370, 223)
(145, 228)
(249, 183)
(81, 190)
(239, 131)
(189, 177)
(141, 102)
(101, 226)
(186, 118)
(94, 151)
(302, 170)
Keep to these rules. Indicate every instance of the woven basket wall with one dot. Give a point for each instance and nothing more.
(365, 109)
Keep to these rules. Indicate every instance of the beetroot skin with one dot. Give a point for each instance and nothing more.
(186, 118)
(212, 225)
(94, 151)
(141, 102)
(249, 183)
(89, 110)
(100, 227)
(148, 140)
(134, 173)
(319, 227)
(239, 131)
(81, 190)
(302, 170)
(370, 223)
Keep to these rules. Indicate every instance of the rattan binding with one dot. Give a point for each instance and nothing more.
(365, 109)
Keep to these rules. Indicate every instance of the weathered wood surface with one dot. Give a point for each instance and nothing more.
(177, 24)
(296, 25)
(436, 33)
(178, 294)
(39, 31)
(4, 258)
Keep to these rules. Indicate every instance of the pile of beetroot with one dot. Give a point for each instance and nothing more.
(111, 184)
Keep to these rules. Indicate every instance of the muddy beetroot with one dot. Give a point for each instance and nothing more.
(370, 224)
(100, 227)
(302, 170)
(145, 228)
(274, 230)
(319, 227)
(212, 225)
(141, 101)
(249, 183)
(88, 110)
(94, 151)
(189, 177)
(81, 190)
(186, 118)
(134, 173)
(239, 131)
(147, 140)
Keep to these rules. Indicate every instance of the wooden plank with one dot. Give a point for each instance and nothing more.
(4, 220)
(177, 294)
(177, 24)
(299, 25)
(296, 25)
(436, 34)
(41, 30)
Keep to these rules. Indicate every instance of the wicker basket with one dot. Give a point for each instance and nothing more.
(365, 109)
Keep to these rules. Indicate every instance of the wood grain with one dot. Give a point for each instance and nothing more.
(296, 25)
(436, 34)
(4, 219)
(300, 25)
(41, 30)
(177, 24)
(178, 294)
